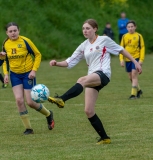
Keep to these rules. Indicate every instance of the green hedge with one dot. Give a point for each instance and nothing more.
(55, 25)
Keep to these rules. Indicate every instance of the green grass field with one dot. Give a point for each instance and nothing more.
(127, 122)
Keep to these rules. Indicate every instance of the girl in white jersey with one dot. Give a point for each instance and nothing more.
(96, 51)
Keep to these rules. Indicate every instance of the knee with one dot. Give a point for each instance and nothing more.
(81, 80)
(19, 101)
(134, 74)
(30, 103)
(89, 112)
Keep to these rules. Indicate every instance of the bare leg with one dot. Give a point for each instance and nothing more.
(134, 82)
(134, 78)
(29, 101)
(19, 97)
(91, 96)
(40, 108)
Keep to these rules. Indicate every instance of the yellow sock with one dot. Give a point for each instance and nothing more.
(134, 91)
(26, 121)
(43, 110)
(138, 88)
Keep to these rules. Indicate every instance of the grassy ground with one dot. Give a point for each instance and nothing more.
(128, 122)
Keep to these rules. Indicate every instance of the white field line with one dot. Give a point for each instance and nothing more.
(8, 102)
(82, 104)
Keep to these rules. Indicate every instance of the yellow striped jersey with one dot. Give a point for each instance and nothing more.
(134, 44)
(18, 56)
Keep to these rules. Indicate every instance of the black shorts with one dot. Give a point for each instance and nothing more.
(104, 81)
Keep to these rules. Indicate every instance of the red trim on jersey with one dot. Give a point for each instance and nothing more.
(82, 52)
(103, 52)
(102, 56)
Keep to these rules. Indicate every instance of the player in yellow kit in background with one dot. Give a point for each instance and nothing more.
(23, 67)
(133, 42)
(1, 76)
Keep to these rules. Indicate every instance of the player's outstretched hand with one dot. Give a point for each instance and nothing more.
(138, 67)
(6, 79)
(52, 63)
(2, 55)
(140, 63)
(32, 74)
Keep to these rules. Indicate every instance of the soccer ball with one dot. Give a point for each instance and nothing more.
(39, 93)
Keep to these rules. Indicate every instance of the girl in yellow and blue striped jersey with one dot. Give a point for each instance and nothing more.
(23, 60)
(133, 42)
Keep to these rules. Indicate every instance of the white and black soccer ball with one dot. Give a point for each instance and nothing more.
(40, 93)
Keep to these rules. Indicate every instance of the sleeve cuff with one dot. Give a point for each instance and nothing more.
(34, 69)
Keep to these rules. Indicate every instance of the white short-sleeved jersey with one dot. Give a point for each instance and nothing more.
(97, 54)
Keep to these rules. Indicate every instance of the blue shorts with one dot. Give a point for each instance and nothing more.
(17, 79)
(130, 65)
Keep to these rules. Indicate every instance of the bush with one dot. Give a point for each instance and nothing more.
(55, 26)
